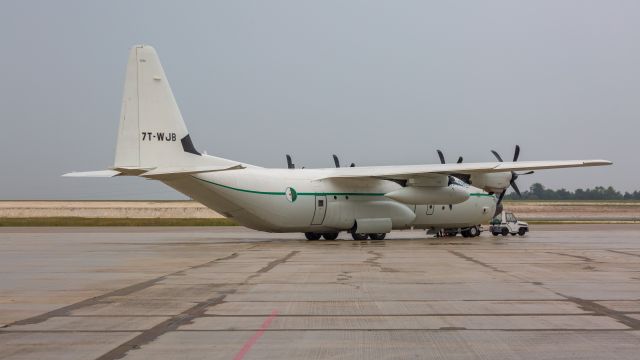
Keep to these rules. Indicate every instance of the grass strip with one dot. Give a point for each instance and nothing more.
(82, 221)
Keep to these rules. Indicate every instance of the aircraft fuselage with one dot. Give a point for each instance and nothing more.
(292, 200)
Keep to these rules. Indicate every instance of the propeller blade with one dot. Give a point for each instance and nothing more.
(290, 164)
(336, 161)
(528, 173)
(460, 160)
(515, 188)
(516, 154)
(495, 153)
(441, 156)
(501, 196)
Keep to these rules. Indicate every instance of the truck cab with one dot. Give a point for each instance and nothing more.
(506, 223)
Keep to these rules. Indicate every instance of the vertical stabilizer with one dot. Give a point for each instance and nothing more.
(152, 132)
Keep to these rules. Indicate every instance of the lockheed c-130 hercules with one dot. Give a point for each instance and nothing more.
(368, 201)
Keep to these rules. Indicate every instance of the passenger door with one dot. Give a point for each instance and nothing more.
(320, 211)
(430, 209)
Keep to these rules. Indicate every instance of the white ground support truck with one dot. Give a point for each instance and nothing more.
(506, 223)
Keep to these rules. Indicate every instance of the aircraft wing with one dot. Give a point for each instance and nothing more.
(405, 172)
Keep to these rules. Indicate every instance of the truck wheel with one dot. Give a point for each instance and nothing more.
(495, 233)
(505, 232)
(473, 231)
(330, 236)
(379, 236)
(312, 236)
(359, 236)
(522, 231)
(465, 233)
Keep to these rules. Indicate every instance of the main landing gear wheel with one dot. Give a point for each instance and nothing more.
(379, 236)
(473, 231)
(330, 236)
(359, 236)
(312, 236)
(505, 232)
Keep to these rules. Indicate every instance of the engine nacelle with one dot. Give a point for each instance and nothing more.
(491, 182)
(435, 195)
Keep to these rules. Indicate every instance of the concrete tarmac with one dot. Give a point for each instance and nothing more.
(561, 292)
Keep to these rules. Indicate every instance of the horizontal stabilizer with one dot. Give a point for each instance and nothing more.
(93, 174)
(163, 172)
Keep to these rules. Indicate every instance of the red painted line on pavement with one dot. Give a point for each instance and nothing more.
(247, 346)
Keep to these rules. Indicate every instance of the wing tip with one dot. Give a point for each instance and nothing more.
(597, 162)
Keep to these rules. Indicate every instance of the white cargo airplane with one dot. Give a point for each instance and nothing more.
(369, 201)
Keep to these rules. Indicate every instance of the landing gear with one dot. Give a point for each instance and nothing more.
(359, 236)
(312, 236)
(330, 236)
(378, 236)
(474, 231)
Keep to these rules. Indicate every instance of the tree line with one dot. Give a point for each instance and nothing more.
(537, 191)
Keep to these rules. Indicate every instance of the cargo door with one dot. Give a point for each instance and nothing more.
(320, 211)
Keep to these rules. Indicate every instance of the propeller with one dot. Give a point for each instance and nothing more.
(290, 163)
(337, 161)
(441, 156)
(463, 177)
(514, 175)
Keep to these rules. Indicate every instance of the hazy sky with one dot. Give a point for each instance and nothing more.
(377, 82)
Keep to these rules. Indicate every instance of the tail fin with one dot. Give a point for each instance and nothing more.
(152, 133)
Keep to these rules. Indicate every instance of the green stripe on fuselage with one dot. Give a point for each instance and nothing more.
(308, 193)
(283, 193)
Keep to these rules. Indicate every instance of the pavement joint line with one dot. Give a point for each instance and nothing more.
(277, 262)
(591, 305)
(409, 315)
(416, 329)
(410, 300)
(624, 253)
(128, 290)
(185, 317)
(584, 258)
(296, 329)
(150, 335)
(344, 315)
(584, 304)
(469, 258)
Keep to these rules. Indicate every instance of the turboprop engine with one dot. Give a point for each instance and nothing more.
(491, 182)
(436, 195)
